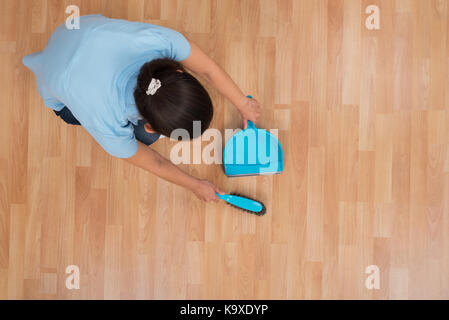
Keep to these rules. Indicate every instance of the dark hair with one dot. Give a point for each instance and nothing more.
(179, 101)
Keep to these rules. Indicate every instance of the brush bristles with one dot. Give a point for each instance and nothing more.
(260, 213)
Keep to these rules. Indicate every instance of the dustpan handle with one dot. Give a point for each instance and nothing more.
(249, 123)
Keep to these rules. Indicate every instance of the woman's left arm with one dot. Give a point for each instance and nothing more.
(201, 64)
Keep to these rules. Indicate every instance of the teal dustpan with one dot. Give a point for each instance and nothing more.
(252, 151)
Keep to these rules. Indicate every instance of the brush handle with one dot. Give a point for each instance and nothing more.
(242, 202)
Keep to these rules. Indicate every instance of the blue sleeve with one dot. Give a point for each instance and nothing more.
(116, 146)
(178, 46)
(49, 100)
(33, 62)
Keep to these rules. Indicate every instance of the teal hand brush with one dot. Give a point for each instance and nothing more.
(244, 203)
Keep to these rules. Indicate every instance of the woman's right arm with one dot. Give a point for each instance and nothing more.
(150, 160)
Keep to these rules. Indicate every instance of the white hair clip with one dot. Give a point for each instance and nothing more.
(153, 86)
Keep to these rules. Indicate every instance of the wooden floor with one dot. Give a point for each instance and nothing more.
(363, 117)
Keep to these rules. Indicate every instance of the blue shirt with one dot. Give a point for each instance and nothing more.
(93, 71)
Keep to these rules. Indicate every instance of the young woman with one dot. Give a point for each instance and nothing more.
(126, 83)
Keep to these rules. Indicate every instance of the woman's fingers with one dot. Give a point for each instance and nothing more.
(219, 191)
(207, 191)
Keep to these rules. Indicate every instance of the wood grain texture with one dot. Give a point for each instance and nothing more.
(363, 118)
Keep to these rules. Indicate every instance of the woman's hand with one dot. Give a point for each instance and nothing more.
(250, 110)
(206, 191)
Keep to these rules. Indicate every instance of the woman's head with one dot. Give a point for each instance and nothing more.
(179, 101)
